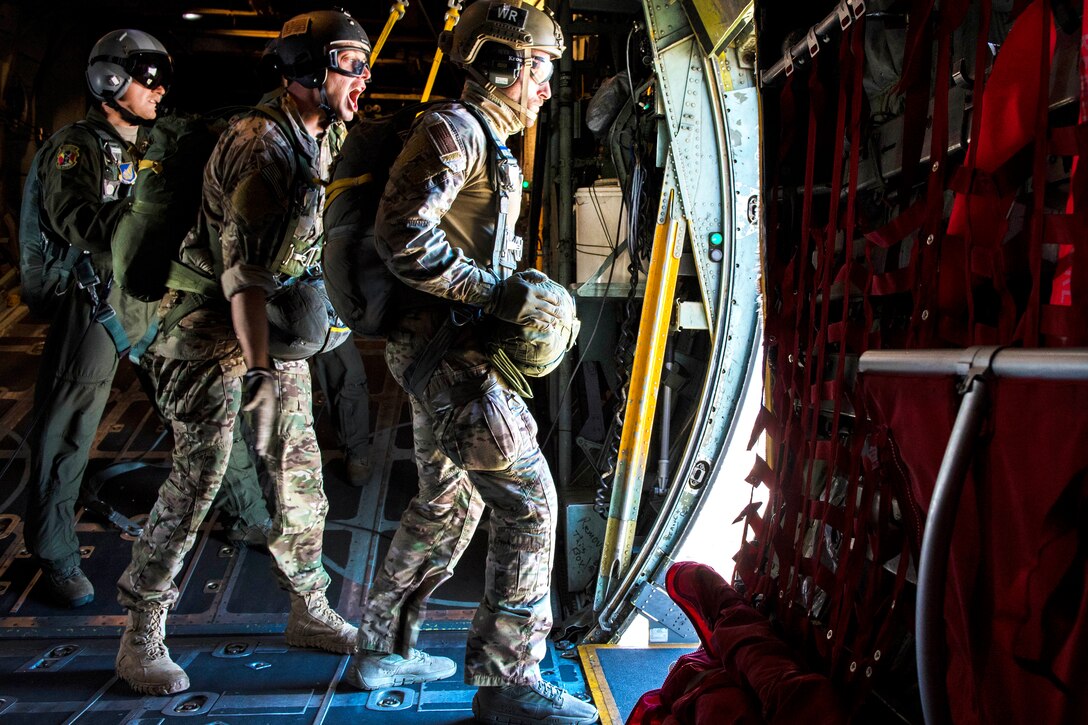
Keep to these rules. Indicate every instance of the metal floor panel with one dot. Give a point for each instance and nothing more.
(56, 664)
(237, 679)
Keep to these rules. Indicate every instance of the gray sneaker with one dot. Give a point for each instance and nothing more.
(540, 702)
(71, 587)
(371, 670)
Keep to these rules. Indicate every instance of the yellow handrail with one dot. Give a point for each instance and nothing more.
(453, 14)
(641, 398)
(395, 13)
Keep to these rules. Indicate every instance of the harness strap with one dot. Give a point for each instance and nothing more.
(507, 249)
(419, 373)
(104, 314)
(338, 187)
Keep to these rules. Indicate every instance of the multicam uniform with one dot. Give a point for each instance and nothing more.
(83, 184)
(251, 190)
(475, 440)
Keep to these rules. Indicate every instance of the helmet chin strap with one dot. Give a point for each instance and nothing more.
(526, 116)
(325, 106)
(128, 116)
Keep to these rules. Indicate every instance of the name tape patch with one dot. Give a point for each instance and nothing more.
(508, 15)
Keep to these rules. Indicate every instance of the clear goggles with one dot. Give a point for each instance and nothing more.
(540, 69)
(353, 66)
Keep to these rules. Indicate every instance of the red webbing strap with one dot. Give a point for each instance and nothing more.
(928, 244)
(1028, 330)
(819, 306)
(971, 162)
(830, 450)
(914, 85)
(851, 553)
(1063, 321)
(825, 274)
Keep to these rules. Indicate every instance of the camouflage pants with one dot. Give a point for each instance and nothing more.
(75, 376)
(201, 399)
(475, 444)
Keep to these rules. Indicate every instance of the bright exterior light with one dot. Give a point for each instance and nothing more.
(191, 16)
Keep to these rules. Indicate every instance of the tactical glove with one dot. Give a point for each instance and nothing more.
(260, 398)
(523, 299)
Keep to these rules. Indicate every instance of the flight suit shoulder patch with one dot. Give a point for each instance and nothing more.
(67, 156)
(445, 143)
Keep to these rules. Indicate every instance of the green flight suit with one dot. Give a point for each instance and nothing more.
(82, 200)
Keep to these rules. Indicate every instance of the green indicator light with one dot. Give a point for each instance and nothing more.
(525, 184)
(716, 238)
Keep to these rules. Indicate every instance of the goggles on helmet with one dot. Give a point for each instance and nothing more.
(150, 70)
(541, 69)
(152, 75)
(340, 63)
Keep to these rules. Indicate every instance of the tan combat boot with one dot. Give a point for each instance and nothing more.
(313, 623)
(143, 660)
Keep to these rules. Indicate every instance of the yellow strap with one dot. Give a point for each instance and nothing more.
(452, 16)
(148, 164)
(339, 186)
(396, 12)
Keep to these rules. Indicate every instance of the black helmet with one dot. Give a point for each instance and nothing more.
(308, 45)
(123, 56)
(301, 321)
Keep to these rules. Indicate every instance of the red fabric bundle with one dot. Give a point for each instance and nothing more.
(742, 674)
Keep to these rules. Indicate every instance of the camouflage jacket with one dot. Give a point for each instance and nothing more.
(435, 226)
(82, 190)
(252, 194)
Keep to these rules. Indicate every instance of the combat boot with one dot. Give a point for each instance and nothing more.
(243, 534)
(143, 660)
(540, 702)
(358, 470)
(313, 623)
(71, 587)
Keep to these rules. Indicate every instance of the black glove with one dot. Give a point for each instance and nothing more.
(523, 299)
(261, 397)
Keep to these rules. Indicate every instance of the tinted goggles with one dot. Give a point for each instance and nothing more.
(151, 71)
(354, 67)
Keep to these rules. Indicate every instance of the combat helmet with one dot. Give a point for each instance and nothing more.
(494, 42)
(535, 352)
(308, 46)
(122, 57)
(302, 322)
(513, 23)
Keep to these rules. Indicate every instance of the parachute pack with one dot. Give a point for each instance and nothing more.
(46, 264)
(362, 289)
(165, 200)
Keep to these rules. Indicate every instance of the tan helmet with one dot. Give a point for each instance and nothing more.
(535, 353)
(513, 23)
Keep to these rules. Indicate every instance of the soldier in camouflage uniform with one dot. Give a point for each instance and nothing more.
(86, 171)
(213, 358)
(475, 440)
